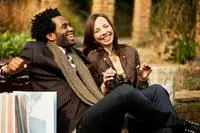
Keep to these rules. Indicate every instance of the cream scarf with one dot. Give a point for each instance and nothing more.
(83, 85)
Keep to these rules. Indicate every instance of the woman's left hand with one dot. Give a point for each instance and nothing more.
(143, 72)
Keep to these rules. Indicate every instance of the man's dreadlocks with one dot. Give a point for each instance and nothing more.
(42, 24)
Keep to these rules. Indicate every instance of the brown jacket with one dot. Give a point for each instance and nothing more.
(45, 75)
(129, 59)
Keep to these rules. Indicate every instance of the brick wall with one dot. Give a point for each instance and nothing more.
(189, 110)
(141, 20)
(188, 104)
(104, 6)
(198, 28)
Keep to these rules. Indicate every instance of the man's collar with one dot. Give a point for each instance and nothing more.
(62, 49)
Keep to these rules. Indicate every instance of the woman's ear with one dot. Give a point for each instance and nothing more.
(51, 36)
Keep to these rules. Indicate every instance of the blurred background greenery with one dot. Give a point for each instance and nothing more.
(11, 43)
(172, 22)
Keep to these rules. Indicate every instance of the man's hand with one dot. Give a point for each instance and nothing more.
(15, 65)
(143, 72)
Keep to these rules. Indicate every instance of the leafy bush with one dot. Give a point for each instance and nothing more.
(11, 44)
(123, 17)
(185, 50)
(193, 82)
(177, 15)
(188, 76)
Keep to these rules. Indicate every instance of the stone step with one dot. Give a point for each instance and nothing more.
(187, 104)
(187, 96)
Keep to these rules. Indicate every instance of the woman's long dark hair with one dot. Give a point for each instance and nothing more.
(89, 42)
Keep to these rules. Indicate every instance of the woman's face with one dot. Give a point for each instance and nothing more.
(103, 32)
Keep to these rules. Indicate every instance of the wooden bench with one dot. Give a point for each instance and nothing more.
(160, 75)
(10, 84)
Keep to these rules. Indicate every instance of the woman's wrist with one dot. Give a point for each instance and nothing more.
(142, 79)
(103, 88)
(142, 82)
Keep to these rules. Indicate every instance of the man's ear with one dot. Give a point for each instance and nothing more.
(51, 36)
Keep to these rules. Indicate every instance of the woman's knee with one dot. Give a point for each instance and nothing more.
(125, 91)
(159, 89)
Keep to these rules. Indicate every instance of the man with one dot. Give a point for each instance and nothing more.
(54, 65)
(50, 26)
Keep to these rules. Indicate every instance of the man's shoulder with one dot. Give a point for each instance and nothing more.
(34, 43)
(34, 49)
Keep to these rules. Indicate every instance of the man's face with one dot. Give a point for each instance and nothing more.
(64, 35)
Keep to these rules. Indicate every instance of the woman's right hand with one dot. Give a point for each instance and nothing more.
(107, 75)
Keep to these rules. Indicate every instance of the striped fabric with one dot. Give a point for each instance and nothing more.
(28, 112)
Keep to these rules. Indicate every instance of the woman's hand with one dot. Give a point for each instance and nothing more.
(107, 75)
(143, 72)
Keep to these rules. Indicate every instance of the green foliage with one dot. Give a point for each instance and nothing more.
(81, 7)
(123, 17)
(76, 12)
(177, 15)
(178, 18)
(193, 83)
(185, 49)
(11, 44)
(188, 76)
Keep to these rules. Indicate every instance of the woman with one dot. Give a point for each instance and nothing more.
(115, 64)
(110, 59)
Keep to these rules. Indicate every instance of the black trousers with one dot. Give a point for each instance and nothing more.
(151, 105)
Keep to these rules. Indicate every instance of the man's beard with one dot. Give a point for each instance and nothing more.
(62, 41)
